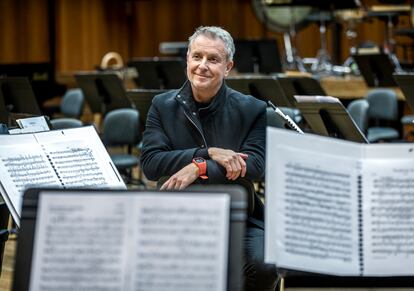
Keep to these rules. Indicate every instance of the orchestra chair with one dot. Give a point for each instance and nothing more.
(72, 103)
(71, 108)
(382, 115)
(65, 122)
(358, 110)
(121, 129)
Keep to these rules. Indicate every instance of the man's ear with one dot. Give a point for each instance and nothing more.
(229, 66)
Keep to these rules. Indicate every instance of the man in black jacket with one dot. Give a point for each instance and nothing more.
(206, 132)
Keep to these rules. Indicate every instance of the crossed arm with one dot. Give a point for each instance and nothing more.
(233, 162)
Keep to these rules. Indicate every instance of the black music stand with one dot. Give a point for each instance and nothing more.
(376, 69)
(327, 116)
(17, 96)
(41, 77)
(406, 83)
(257, 56)
(237, 219)
(159, 73)
(262, 87)
(103, 92)
(142, 99)
(292, 86)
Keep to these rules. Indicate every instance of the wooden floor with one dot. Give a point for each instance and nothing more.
(6, 277)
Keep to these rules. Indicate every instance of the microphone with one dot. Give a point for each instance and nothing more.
(286, 118)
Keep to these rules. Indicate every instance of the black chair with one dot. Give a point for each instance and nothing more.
(121, 129)
(382, 115)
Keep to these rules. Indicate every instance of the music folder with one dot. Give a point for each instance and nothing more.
(132, 240)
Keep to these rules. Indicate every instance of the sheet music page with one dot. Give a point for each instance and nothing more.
(80, 159)
(181, 242)
(81, 242)
(131, 242)
(22, 165)
(311, 203)
(388, 213)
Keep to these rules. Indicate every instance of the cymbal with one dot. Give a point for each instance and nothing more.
(350, 14)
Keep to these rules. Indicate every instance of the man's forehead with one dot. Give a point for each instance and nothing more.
(210, 45)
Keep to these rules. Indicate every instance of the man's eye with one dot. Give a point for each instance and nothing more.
(196, 57)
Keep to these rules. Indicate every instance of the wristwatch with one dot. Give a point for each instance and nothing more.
(202, 167)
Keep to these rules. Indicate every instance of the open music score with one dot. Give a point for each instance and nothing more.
(124, 241)
(71, 158)
(337, 207)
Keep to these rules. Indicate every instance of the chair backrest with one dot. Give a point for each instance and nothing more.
(358, 109)
(63, 123)
(72, 103)
(383, 104)
(121, 127)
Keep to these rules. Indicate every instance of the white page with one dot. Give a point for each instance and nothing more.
(22, 165)
(311, 203)
(81, 242)
(80, 159)
(181, 243)
(131, 242)
(388, 214)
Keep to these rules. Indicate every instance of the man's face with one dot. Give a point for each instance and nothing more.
(207, 66)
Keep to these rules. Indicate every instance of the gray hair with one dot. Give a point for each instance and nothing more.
(215, 32)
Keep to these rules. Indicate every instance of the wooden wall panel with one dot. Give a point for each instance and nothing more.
(23, 31)
(86, 30)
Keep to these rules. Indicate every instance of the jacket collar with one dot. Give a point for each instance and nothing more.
(185, 98)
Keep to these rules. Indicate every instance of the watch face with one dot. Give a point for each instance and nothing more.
(199, 160)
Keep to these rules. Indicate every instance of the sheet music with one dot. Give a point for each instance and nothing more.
(22, 165)
(384, 200)
(389, 210)
(311, 216)
(70, 158)
(80, 159)
(181, 243)
(80, 243)
(131, 242)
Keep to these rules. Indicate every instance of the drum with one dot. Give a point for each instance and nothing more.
(281, 18)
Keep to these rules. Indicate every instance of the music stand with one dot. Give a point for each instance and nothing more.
(292, 86)
(142, 99)
(17, 96)
(159, 73)
(103, 92)
(327, 116)
(40, 75)
(406, 83)
(262, 87)
(257, 56)
(376, 69)
(30, 208)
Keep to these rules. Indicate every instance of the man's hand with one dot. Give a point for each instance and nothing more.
(182, 179)
(233, 162)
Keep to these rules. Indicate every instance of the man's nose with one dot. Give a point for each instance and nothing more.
(203, 63)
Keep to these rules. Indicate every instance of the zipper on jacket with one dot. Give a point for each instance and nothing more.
(199, 130)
